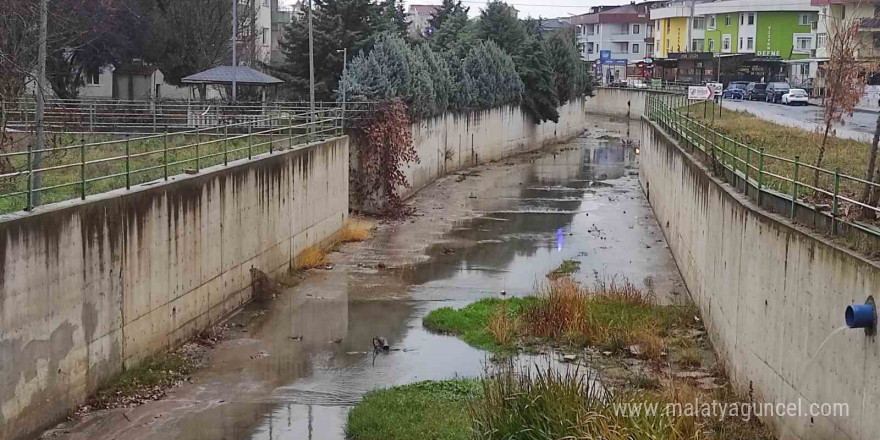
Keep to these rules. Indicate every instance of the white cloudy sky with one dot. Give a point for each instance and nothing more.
(534, 8)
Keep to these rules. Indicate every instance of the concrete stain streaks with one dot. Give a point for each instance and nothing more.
(28, 383)
(129, 273)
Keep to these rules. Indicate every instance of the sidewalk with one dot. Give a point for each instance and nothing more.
(863, 109)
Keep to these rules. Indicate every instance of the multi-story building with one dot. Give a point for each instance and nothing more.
(759, 39)
(616, 39)
(418, 17)
(864, 16)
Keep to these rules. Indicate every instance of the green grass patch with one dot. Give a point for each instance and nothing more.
(567, 267)
(424, 410)
(471, 322)
(787, 142)
(612, 318)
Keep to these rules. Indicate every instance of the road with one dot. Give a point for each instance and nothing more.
(859, 126)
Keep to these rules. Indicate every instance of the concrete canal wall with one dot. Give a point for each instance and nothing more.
(92, 287)
(455, 141)
(770, 294)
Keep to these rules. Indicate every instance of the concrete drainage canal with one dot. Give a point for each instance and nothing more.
(293, 368)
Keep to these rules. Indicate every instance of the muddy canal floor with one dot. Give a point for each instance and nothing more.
(291, 369)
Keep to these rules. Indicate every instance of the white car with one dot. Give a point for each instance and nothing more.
(795, 97)
(637, 84)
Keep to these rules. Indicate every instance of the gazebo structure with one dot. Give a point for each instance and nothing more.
(229, 75)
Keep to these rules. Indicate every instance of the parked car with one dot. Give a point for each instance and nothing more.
(636, 84)
(796, 97)
(775, 90)
(756, 91)
(735, 90)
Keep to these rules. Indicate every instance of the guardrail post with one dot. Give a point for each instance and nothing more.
(289, 134)
(794, 186)
(198, 144)
(225, 146)
(127, 162)
(834, 202)
(165, 154)
(748, 166)
(271, 136)
(760, 175)
(250, 134)
(82, 168)
(30, 181)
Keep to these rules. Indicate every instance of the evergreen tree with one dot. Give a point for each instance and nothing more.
(457, 34)
(498, 23)
(491, 78)
(565, 60)
(389, 18)
(445, 11)
(539, 100)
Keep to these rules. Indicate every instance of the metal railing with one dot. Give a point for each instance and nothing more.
(760, 173)
(75, 168)
(147, 116)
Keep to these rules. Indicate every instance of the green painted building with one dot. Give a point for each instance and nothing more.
(783, 29)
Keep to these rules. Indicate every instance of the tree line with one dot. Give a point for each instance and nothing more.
(462, 63)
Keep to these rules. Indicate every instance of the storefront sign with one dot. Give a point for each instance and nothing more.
(768, 53)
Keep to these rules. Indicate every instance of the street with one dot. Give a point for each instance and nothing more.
(859, 126)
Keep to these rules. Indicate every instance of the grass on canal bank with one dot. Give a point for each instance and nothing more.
(787, 142)
(609, 317)
(539, 404)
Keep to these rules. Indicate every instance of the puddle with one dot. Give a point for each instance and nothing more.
(582, 202)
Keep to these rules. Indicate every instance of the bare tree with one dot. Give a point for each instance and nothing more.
(844, 83)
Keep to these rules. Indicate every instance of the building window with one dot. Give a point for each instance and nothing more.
(668, 46)
(697, 45)
(711, 45)
(742, 19)
(804, 19)
(590, 47)
(740, 43)
(93, 76)
(649, 49)
(265, 35)
(804, 69)
(711, 24)
(727, 20)
(637, 29)
(750, 43)
(650, 30)
(751, 19)
(699, 23)
(803, 43)
(725, 43)
(635, 48)
(667, 25)
(820, 40)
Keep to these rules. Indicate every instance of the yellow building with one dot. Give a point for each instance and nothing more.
(676, 31)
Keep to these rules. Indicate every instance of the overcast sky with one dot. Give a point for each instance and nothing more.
(534, 8)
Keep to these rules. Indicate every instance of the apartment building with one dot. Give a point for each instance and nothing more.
(762, 39)
(616, 39)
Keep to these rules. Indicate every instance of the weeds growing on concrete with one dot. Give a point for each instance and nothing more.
(149, 380)
(311, 258)
(355, 230)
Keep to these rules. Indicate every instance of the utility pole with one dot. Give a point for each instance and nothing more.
(40, 135)
(344, 77)
(311, 68)
(234, 44)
